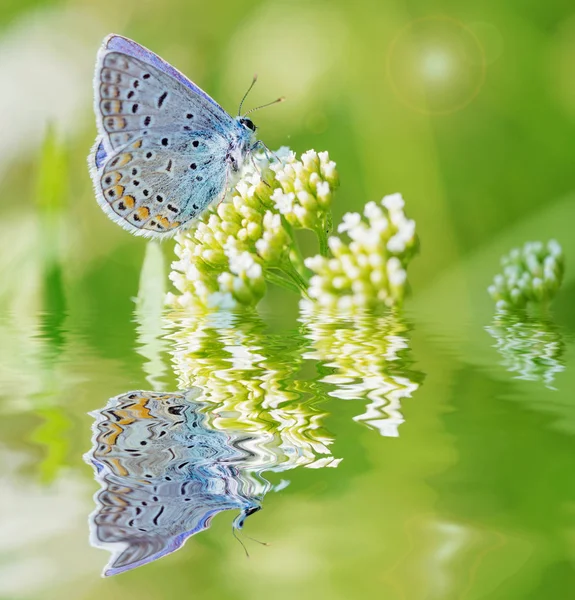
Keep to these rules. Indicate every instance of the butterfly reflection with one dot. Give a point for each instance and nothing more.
(164, 473)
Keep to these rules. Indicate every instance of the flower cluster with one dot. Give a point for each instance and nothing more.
(229, 252)
(369, 357)
(531, 274)
(306, 189)
(531, 348)
(242, 372)
(370, 270)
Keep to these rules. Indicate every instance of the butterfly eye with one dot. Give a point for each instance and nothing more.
(248, 124)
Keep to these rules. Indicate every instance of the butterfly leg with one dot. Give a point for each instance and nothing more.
(258, 170)
(259, 144)
(225, 192)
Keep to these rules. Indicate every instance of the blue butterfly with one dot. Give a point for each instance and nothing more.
(164, 474)
(165, 150)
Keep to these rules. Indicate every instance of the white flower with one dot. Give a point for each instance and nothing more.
(393, 202)
(350, 221)
(532, 274)
(221, 300)
(283, 202)
(371, 268)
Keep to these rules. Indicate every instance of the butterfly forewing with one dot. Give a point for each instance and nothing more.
(133, 97)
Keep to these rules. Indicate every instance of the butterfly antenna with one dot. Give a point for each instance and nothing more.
(264, 105)
(258, 541)
(240, 541)
(246, 94)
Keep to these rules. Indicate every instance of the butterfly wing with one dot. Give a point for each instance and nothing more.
(160, 157)
(160, 181)
(135, 90)
(128, 47)
(164, 474)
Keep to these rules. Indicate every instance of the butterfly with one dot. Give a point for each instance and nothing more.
(164, 474)
(165, 150)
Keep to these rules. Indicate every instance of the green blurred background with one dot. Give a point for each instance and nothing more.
(468, 110)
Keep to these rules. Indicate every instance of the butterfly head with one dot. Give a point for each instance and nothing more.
(248, 124)
(246, 512)
(248, 130)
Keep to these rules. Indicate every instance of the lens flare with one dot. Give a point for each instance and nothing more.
(436, 65)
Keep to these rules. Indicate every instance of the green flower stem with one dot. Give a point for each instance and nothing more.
(288, 268)
(296, 257)
(322, 239)
(274, 277)
(322, 229)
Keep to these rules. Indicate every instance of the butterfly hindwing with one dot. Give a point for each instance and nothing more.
(158, 182)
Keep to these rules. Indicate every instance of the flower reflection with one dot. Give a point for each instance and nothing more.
(164, 473)
(249, 378)
(168, 462)
(532, 348)
(370, 358)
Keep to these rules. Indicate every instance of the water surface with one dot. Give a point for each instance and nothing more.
(390, 457)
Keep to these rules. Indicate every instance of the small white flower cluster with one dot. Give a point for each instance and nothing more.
(531, 348)
(531, 274)
(370, 270)
(369, 358)
(306, 191)
(228, 253)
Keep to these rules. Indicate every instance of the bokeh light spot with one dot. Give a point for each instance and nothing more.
(436, 65)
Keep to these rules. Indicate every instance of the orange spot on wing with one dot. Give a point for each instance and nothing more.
(115, 192)
(129, 201)
(110, 178)
(116, 123)
(124, 159)
(111, 436)
(111, 107)
(110, 91)
(119, 469)
(137, 410)
(137, 144)
(143, 212)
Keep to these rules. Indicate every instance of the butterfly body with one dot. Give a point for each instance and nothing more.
(165, 149)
